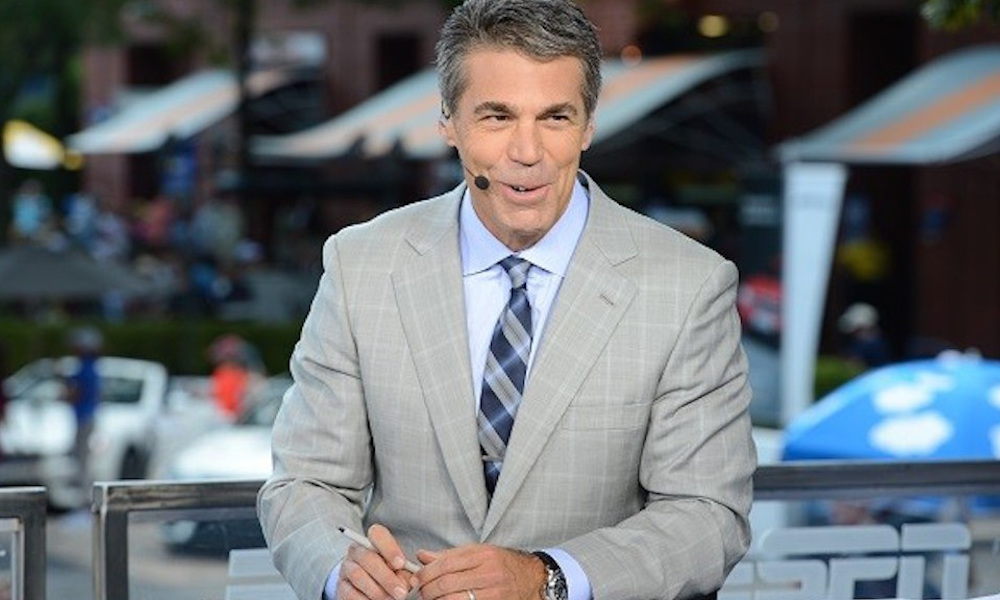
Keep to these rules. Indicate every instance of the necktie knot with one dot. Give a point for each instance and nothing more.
(517, 270)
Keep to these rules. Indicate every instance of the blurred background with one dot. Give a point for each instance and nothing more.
(171, 168)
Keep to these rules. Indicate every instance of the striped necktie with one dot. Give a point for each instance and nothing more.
(506, 369)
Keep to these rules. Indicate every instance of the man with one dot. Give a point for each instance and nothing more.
(626, 472)
(865, 347)
(84, 390)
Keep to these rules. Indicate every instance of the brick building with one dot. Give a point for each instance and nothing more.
(826, 57)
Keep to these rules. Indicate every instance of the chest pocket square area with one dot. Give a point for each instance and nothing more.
(622, 417)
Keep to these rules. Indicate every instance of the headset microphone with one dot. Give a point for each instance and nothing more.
(480, 180)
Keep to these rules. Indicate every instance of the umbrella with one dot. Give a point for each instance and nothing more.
(35, 273)
(943, 408)
(935, 409)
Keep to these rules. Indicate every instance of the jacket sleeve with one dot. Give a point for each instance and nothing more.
(321, 444)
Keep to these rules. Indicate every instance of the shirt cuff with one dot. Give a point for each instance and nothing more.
(330, 589)
(577, 584)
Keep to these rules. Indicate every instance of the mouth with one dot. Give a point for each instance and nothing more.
(521, 189)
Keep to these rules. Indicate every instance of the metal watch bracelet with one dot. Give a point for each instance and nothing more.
(555, 579)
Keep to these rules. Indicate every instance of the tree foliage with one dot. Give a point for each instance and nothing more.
(39, 50)
(956, 14)
(41, 39)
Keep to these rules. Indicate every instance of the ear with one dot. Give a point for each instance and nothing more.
(588, 135)
(446, 127)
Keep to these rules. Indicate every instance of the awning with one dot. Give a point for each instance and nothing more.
(406, 114)
(179, 110)
(945, 111)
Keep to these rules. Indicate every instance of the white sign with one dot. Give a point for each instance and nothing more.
(813, 563)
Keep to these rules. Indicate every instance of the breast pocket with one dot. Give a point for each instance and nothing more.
(612, 417)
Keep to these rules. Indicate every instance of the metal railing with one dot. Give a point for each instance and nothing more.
(858, 479)
(114, 501)
(22, 515)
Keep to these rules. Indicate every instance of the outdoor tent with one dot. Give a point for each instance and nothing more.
(946, 111)
(177, 111)
(405, 116)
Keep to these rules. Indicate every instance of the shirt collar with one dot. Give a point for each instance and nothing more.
(481, 250)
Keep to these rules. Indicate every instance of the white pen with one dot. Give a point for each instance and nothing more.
(364, 542)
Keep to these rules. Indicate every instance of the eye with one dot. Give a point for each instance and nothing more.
(558, 118)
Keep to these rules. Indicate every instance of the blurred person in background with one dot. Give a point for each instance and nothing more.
(33, 218)
(866, 346)
(81, 212)
(236, 369)
(84, 394)
(112, 241)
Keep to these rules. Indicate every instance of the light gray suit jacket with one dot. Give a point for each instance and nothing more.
(631, 449)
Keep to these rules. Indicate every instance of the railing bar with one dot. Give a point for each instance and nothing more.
(811, 479)
(114, 501)
(29, 506)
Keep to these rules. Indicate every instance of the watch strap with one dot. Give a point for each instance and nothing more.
(555, 580)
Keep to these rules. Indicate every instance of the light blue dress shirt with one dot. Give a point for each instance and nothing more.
(487, 291)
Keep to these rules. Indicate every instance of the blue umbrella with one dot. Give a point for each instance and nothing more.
(944, 408)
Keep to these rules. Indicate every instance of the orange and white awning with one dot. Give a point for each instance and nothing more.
(945, 111)
(179, 110)
(405, 115)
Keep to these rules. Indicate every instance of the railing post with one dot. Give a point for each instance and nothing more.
(110, 540)
(27, 507)
(35, 515)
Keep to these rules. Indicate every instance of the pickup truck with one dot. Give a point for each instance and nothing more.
(36, 436)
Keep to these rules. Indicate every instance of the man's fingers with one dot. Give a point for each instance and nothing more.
(349, 590)
(371, 575)
(387, 546)
(355, 582)
(451, 572)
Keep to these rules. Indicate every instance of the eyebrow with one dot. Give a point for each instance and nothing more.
(492, 107)
(564, 108)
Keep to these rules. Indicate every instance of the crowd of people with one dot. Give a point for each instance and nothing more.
(196, 257)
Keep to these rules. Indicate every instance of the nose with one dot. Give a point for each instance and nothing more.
(525, 144)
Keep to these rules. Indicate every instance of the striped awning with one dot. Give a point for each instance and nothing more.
(945, 111)
(406, 114)
(179, 110)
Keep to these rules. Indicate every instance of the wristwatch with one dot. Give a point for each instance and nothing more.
(555, 579)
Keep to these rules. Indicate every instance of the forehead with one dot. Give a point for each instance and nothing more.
(510, 77)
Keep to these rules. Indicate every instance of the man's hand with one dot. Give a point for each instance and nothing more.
(375, 575)
(489, 572)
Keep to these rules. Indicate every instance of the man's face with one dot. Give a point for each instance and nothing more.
(522, 124)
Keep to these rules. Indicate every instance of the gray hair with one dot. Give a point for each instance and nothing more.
(541, 29)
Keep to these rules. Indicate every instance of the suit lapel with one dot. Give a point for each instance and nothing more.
(431, 304)
(591, 301)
